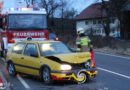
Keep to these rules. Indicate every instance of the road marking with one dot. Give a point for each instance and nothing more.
(113, 72)
(23, 82)
(112, 55)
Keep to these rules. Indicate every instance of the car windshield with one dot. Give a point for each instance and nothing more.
(53, 48)
(27, 22)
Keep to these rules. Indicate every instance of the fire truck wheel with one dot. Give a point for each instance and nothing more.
(4, 54)
(0, 53)
(11, 69)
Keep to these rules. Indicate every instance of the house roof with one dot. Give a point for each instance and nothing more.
(92, 11)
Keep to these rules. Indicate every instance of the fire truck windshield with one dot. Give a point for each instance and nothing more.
(27, 22)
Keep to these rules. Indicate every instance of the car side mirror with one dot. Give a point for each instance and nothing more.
(34, 55)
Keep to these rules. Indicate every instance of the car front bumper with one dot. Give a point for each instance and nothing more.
(73, 74)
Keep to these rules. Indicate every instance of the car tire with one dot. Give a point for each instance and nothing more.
(11, 69)
(46, 76)
(85, 80)
(4, 54)
(88, 79)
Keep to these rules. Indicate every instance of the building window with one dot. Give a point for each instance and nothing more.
(94, 32)
(103, 31)
(112, 20)
(98, 31)
(86, 22)
(99, 21)
(94, 22)
(104, 21)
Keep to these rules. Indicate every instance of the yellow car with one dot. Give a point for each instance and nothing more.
(51, 60)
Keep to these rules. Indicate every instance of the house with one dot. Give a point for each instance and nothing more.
(92, 20)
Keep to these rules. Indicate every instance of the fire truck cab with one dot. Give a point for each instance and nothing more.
(17, 24)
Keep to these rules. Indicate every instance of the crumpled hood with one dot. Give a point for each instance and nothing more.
(72, 57)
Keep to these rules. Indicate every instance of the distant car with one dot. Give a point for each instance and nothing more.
(50, 60)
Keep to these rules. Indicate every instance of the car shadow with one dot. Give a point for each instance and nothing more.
(56, 83)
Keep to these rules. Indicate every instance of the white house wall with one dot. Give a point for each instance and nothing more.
(113, 26)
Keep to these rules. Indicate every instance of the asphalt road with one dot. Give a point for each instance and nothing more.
(114, 74)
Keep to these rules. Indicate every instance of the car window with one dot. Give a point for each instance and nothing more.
(30, 49)
(53, 48)
(18, 48)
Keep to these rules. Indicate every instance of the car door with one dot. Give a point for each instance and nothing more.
(30, 59)
(17, 55)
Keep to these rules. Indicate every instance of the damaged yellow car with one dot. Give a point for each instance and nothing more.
(51, 60)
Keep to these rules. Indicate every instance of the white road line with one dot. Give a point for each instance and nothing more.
(23, 82)
(113, 72)
(113, 55)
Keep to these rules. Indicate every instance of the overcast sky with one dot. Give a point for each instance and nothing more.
(79, 5)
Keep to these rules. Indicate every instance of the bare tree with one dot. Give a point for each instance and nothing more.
(112, 8)
(65, 12)
(117, 8)
(28, 2)
(70, 14)
(106, 23)
(63, 4)
(50, 6)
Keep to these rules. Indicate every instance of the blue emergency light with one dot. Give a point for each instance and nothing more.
(26, 9)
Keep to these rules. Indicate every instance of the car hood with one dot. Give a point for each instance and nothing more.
(71, 57)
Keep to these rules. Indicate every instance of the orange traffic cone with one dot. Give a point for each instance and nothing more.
(1, 83)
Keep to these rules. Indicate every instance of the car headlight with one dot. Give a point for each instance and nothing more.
(88, 64)
(65, 67)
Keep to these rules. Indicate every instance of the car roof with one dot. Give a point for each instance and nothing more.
(47, 41)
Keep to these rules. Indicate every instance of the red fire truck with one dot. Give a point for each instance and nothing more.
(17, 24)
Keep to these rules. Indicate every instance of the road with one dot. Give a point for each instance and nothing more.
(114, 74)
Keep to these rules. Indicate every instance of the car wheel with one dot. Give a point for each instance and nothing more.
(86, 78)
(11, 69)
(4, 54)
(46, 76)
